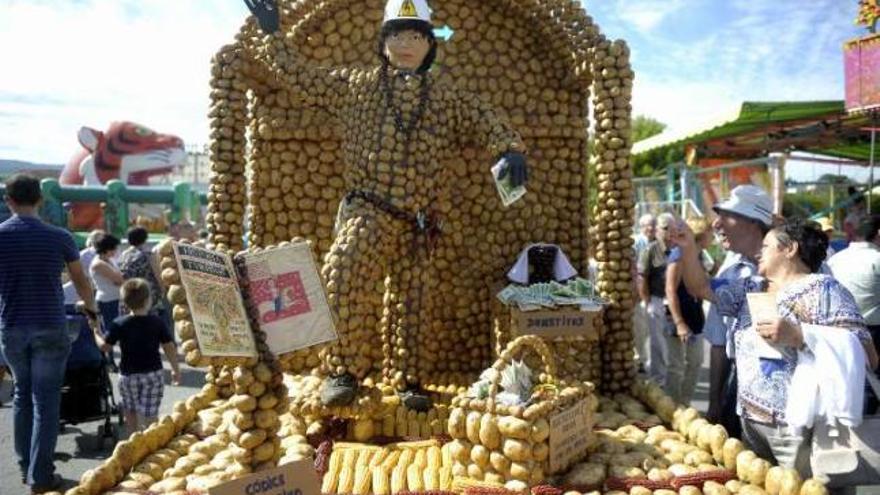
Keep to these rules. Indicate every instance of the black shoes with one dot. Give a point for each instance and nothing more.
(416, 400)
(52, 486)
(339, 390)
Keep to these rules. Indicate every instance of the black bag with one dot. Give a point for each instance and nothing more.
(729, 418)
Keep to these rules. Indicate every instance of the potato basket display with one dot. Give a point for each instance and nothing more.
(497, 442)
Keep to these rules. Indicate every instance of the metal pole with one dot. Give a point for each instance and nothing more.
(871, 179)
(685, 193)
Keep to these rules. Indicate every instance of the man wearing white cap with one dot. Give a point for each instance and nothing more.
(742, 221)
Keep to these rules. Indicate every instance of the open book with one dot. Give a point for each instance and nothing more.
(278, 290)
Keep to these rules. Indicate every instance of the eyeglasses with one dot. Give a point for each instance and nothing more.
(405, 37)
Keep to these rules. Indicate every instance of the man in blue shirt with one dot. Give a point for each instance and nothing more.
(33, 338)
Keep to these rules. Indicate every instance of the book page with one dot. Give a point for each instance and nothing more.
(286, 292)
(214, 298)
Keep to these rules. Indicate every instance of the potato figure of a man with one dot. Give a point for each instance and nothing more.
(399, 124)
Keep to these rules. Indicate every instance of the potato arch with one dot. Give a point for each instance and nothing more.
(279, 169)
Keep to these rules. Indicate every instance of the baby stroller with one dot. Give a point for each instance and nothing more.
(87, 392)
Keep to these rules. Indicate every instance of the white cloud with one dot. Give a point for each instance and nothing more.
(759, 55)
(647, 14)
(68, 64)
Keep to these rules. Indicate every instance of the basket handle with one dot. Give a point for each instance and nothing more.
(537, 345)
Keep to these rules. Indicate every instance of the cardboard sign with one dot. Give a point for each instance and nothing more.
(212, 291)
(296, 478)
(286, 291)
(553, 323)
(861, 60)
(569, 436)
(762, 307)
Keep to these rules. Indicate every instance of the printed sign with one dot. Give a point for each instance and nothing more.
(296, 478)
(553, 323)
(569, 436)
(762, 307)
(861, 60)
(286, 291)
(211, 287)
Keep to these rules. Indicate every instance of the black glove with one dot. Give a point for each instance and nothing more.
(514, 165)
(266, 12)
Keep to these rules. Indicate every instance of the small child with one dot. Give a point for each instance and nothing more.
(140, 334)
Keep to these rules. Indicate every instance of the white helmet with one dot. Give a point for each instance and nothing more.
(417, 10)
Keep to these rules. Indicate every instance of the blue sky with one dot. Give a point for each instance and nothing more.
(88, 62)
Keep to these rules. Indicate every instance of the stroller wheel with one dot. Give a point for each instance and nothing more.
(107, 432)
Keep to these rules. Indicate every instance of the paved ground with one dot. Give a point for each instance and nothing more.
(78, 448)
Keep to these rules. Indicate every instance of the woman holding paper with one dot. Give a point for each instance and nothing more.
(791, 256)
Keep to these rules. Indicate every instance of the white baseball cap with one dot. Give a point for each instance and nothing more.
(749, 201)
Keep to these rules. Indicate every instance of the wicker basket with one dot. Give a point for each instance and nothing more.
(499, 443)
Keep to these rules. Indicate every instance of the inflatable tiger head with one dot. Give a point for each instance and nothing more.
(126, 151)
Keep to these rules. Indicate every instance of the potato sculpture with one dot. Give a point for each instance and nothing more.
(532, 61)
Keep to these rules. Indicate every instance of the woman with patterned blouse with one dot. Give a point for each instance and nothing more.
(790, 259)
(137, 262)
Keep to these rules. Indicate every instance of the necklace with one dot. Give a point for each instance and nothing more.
(406, 127)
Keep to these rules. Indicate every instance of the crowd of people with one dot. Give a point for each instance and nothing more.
(765, 383)
(34, 310)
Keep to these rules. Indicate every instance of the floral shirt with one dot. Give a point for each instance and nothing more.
(135, 263)
(763, 382)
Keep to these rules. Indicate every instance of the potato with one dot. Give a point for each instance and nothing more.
(757, 471)
(773, 480)
(520, 471)
(513, 427)
(517, 450)
(457, 423)
(480, 456)
(499, 462)
(472, 426)
(252, 438)
(714, 488)
(790, 482)
(460, 450)
(489, 434)
(243, 403)
(813, 487)
(540, 430)
(730, 451)
(717, 438)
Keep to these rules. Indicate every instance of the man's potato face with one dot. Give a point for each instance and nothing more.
(407, 49)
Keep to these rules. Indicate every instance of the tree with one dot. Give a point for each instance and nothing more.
(647, 164)
(644, 127)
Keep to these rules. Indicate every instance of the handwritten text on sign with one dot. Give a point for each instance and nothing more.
(296, 478)
(569, 436)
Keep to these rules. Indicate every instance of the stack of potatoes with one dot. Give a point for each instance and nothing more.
(509, 444)
(142, 460)
(756, 476)
(613, 212)
(221, 376)
(296, 175)
(228, 117)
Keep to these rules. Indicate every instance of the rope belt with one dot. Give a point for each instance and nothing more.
(426, 225)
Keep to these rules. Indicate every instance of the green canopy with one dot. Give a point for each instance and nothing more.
(754, 129)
